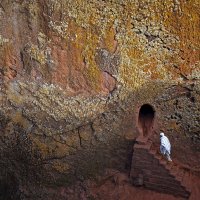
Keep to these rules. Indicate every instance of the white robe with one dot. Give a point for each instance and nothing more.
(165, 146)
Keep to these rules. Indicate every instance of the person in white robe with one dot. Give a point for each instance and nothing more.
(165, 146)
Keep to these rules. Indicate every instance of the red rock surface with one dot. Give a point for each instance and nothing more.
(116, 186)
(73, 76)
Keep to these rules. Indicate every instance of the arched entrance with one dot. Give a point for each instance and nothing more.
(146, 120)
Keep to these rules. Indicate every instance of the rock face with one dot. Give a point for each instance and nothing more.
(73, 77)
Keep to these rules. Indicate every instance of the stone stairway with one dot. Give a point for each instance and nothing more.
(151, 170)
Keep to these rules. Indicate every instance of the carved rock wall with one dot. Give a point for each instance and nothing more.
(74, 74)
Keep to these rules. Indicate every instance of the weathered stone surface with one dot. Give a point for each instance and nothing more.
(73, 75)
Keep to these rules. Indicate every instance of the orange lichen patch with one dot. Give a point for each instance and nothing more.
(134, 53)
(182, 20)
(173, 71)
(185, 23)
(68, 59)
(84, 26)
(191, 57)
(109, 39)
(163, 12)
(189, 21)
(156, 75)
(92, 73)
(150, 67)
(77, 58)
(173, 125)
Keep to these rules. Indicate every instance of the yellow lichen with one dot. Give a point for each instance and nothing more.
(37, 54)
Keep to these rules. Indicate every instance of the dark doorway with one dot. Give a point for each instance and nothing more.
(146, 119)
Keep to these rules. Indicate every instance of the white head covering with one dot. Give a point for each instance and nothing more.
(162, 134)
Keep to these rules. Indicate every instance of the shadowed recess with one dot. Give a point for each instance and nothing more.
(146, 119)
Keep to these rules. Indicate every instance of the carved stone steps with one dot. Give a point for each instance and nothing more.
(166, 181)
(168, 190)
(166, 184)
(169, 165)
(158, 156)
(139, 146)
(180, 175)
(157, 173)
(157, 170)
(186, 181)
(145, 155)
(141, 140)
(174, 170)
(153, 151)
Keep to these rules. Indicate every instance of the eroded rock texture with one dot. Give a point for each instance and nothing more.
(73, 76)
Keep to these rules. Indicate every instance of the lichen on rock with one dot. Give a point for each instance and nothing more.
(73, 75)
